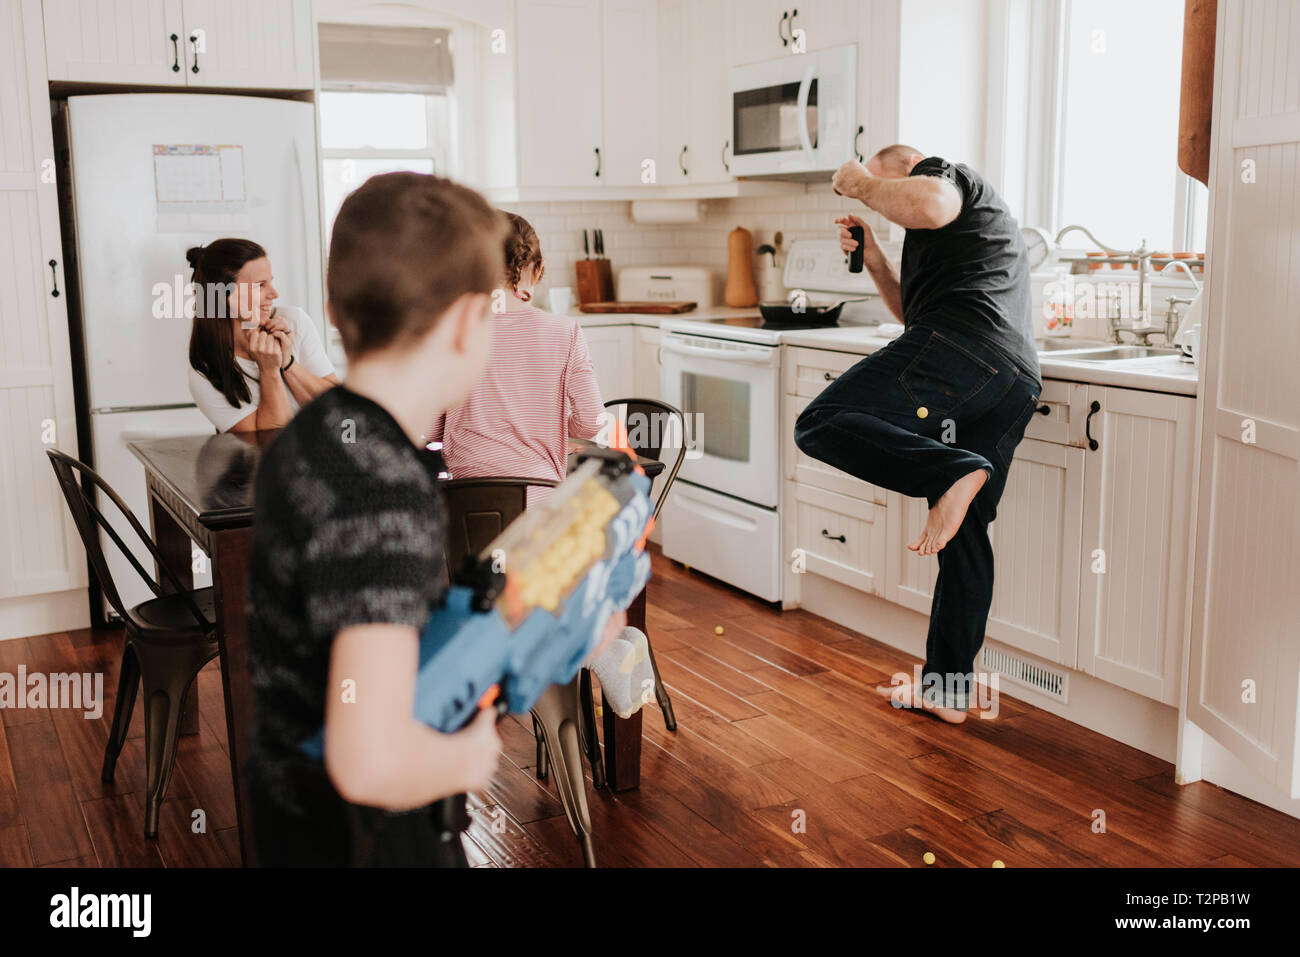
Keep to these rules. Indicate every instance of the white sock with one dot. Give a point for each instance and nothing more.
(625, 674)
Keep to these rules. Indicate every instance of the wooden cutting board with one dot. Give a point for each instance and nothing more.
(655, 308)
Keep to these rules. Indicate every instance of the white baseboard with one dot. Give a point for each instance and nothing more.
(44, 614)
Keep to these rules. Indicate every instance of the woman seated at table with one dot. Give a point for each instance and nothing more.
(253, 364)
(539, 389)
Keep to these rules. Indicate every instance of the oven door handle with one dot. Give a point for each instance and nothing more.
(723, 355)
(805, 86)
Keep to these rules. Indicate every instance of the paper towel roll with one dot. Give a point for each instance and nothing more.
(667, 210)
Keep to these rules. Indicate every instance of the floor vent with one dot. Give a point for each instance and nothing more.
(1011, 667)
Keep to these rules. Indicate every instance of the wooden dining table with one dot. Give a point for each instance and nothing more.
(201, 490)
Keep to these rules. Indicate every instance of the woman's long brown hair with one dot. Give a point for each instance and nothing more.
(212, 339)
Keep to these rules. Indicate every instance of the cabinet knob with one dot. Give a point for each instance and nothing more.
(176, 54)
(1087, 425)
(726, 145)
(857, 136)
(1044, 409)
(194, 41)
(780, 29)
(599, 162)
(681, 160)
(833, 538)
(54, 275)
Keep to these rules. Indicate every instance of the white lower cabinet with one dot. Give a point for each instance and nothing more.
(1136, 503)
(614, 359)
(840, 538)
(648, 361)
(1090, 544)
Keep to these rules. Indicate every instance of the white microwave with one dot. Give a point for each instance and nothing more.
(795, 117)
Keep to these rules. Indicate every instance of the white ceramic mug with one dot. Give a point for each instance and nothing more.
(561, 299)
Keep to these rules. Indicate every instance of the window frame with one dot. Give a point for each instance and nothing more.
(1034, 41)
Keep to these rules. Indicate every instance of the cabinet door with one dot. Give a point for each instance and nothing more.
(612, 355)
(1136, 520)
(827, 23)
(559, 101)
(253, 44)
(840, 538)
(40, 550)
(760, 30)
(709, 96)
(1036, 549)
(677, 29)
(115, 41)
(630, 93)
(648, 361)
(878, 65)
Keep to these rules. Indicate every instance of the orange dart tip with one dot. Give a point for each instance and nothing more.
(489, 697)
(649, 527)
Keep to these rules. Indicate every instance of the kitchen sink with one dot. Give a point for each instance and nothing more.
(1062, 345)
(1111, 353)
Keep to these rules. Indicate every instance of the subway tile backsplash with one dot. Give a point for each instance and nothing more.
(809, 214)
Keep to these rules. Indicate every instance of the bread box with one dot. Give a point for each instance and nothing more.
(668, 284)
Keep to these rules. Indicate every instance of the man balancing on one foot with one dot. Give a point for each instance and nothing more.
(938, 412)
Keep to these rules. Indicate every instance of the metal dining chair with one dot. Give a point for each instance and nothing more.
(646, 422)
(479, 509)
(169, 638)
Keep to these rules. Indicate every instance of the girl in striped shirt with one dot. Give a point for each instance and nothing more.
(539, 391)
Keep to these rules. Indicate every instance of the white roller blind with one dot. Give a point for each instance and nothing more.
(406, 59)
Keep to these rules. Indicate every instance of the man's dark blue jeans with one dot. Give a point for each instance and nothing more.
(914, 417)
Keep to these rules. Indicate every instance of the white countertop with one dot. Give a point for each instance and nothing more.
(1167, 374)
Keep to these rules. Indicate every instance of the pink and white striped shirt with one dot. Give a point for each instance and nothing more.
(538, 390)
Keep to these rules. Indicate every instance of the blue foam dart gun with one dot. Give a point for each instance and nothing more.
(526, 612)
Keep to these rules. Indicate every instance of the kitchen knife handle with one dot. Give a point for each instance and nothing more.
(176, 55)
(855, 257)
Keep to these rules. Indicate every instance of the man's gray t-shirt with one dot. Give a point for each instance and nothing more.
(971, 276)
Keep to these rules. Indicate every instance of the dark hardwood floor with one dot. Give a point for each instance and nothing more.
(784, 757)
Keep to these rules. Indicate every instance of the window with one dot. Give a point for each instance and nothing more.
(1102, 81)
(385, 105)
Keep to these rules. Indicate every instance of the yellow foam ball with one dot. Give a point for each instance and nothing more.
(717, 630)
(928, 857)
(998, 864)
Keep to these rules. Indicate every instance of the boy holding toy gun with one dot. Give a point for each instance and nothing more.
(347, 560)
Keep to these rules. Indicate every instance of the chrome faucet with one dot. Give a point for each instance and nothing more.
(1171, 315)
(1141, 257)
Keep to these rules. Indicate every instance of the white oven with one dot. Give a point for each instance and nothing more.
(795, 117)
(722, 514)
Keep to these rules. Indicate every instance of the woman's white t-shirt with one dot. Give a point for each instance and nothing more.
(308, 350)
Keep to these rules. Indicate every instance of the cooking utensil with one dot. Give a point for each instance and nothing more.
(786, 314)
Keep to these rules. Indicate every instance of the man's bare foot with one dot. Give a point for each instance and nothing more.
(948, 513)
(906, 695)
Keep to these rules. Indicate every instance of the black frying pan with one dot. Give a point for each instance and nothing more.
(784, 314)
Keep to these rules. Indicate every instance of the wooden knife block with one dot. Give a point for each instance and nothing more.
(595, 280)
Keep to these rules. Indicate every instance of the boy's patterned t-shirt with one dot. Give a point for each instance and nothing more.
(350, 530)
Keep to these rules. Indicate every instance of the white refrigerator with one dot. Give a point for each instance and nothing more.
(149, 176)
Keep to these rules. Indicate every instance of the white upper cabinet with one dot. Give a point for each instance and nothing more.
(233, 44)
(559, 93)
(760, 29)
(630, 93)
(115, 41)
(694, 104)
(253, 44)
